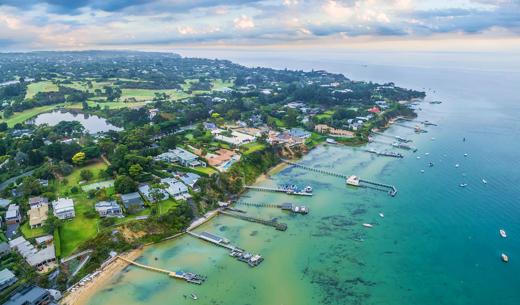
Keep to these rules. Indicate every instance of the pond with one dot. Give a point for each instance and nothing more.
(93, 124)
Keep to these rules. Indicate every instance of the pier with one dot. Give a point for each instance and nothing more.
(398, 138)
(277, 190)
(277, 225)
(425, 123)
(390, 189)
(252, 260)
(285, 206)
(385, 153)
(187, 276)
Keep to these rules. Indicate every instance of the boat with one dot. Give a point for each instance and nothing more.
(463, 184)
(194, 296)
(422, 171)
(418, 157)
(503, 233)
(484, 181)
(505, 258)
(308, 189)
(457, 165)
(331, 141)
(367, 225)
(427, 154)
(353, 180)
(430, 164)
(382, 215)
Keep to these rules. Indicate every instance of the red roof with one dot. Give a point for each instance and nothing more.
(374, 110)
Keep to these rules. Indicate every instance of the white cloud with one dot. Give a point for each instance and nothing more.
(336, 10)
(244, 22)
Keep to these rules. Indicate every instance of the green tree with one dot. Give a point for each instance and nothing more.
(125, 184)
(86, 174)
(135, 170)
(78, 158)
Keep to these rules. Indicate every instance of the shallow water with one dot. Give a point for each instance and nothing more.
(92, 123)
(437, 244)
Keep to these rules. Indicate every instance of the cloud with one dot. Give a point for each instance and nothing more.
(244, 22)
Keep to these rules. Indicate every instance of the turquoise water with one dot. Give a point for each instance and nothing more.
(437, 244)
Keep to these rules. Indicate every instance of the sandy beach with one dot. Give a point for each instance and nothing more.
(82, 295)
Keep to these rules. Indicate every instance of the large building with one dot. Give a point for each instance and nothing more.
(132, 201)
(38, 214)
(181, 156)
(108, 209)
(150, 193)
(7, 278)
(37, 201)
(33, 256)
(64, 208)
(13, 215)
(31, 295)
(175, 188)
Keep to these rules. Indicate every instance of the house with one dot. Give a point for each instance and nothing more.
(45, 239)
(33, 256)
(132, 201)
(4, 249)
(38, 215)
(322, 128)
(148, 193)
(37, 201)
(152, 113)
(374, 110)
(30, 295)
(189, 179)
(4, 202)
(64, 208)
(222, 159)
(209, 125)
(234, 138)
(182, 156)
(175, 188)
(299, 133)
(108, 209)
(13, 216)
(7, 278)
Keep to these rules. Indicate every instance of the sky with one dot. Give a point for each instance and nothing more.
(466, 25)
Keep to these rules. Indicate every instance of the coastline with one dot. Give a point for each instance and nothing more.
(83, 294)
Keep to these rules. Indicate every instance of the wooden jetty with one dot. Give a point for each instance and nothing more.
(285, 206)
(277, 225)
(390, 189)
(277, 190)
(398, 138)
(187, 276)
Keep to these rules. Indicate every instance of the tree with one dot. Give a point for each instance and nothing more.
(135, 170)
(3, 126)
(31, 186)
(125, 184)
(78, 158)
(86, 174)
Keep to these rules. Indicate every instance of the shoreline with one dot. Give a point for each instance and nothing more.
(83, 294)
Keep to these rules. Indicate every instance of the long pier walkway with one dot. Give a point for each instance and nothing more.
(277, 225)
(187, 276)
(213, 241)
(392, 190)
(277, 190)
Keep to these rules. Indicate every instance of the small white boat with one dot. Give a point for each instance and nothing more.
(418, 157)
(465, 155)
(422, 171)
(463, 184)
(381, 215)
(503, 233)
(194, 296)
(457, 165)
(308, 189)
(433, 139)
(367, 225)
(484, 181)
(426, 154)
(505, 258)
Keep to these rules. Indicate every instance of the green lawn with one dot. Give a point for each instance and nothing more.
(252, 147)
(166, 205)
(326, 115)
(43, 86)
(148, 94)
(79, 229)
(110, 105)
(20, 117)
(31, 233)
(82, 85)
(205, 170)
(74, 178)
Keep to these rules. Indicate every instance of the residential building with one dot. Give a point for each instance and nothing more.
(37, 201)
(299, 133)
(108, 209)
(64, 208)
(150, 193)
(7, 278)
(188, 178)
(30, 295)
(182, 156)
(132, 201)
(33, 256)
(38, 215)
(13, 216)
(175, 188)
(4, 249)
(234, 138)
(322, 128)
(4, 202)
(222, 159)
(45, 239)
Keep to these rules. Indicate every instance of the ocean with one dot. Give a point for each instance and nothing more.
(438, 243)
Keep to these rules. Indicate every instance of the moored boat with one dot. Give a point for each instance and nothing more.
(194, 296)
(503, 233)
(382, 215)
(367, 225)
(505, 258)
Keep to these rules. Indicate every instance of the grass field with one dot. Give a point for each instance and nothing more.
(205, 170)
(74, 178)
(31, 233)
(326, 115)
(20, 117)
(81, 85)
(43, 86)
(252, 147)
(79, 229)
(166, 205)
(148, 94)
(110, 105)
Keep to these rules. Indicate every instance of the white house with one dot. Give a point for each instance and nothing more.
(175, 188)
(64, 208)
